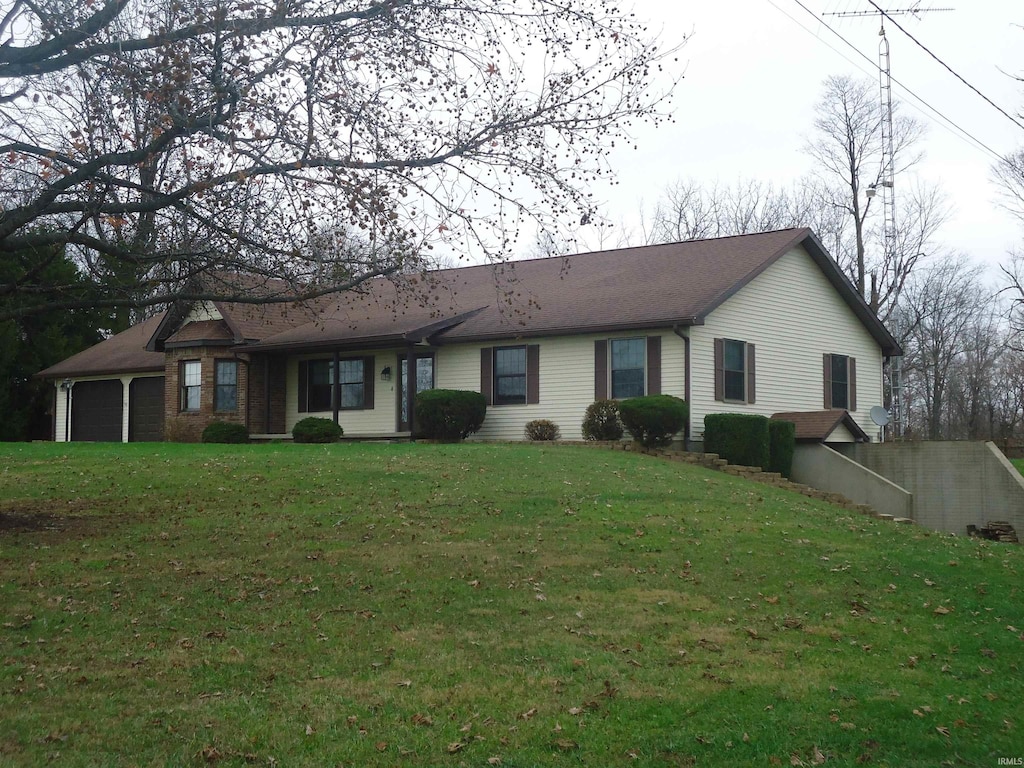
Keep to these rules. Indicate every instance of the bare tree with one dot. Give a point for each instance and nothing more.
(847, 149)
(1009, 178)
(161, 140)
(942, 308)
(689, 210)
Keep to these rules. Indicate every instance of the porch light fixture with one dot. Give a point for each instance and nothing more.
(385, 373)
(65, 385)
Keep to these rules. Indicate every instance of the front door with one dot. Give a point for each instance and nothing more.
(424, 380)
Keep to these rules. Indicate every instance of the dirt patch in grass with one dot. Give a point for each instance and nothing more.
(63, 518)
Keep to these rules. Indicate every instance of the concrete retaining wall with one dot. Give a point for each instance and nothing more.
(954, 484)
(821, 467)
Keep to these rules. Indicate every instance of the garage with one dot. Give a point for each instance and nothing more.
(146, 412)
(96, 411)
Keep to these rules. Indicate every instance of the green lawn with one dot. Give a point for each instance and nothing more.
(475, 605)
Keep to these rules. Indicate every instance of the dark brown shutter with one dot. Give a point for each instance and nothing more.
(654, 365)
(369, 376)
(303, 377)
(719, 370)
(827, 378)
(601, 369)
(486, 377)
(532, 373)
(751, 390)
(852, 372)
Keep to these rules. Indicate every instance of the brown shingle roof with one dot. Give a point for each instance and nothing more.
(215, 331)
(124, 352)
(643, 287)
(816, 426)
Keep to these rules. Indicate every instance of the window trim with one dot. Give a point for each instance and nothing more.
(184, 387)
(829, 360)
(611, 366)
(342, 383)
(218, 386)
(305, 379)
(749, 372)
(496, 377)
(488, 383)
(726, 370)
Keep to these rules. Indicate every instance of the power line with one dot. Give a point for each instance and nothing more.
(924, 48)
(965, 134)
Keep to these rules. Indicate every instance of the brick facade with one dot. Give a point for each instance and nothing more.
(187, 426)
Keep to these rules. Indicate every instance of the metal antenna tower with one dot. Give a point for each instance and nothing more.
(885, 186)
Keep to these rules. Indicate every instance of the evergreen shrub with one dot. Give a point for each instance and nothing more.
(739, 438)
(781, 446)
(225, 432)
(655, 419)
(314, 429)
(542, 429)
(449, 415)
(601, 421)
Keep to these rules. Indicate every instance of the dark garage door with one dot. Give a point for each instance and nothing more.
(96, 411)
(146, 418)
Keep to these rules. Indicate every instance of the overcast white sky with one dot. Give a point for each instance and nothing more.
(753, 74)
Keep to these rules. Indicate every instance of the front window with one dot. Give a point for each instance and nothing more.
(628, 368)
(191, 381)
(351, 381)
(734, 370)
(350, 376)
(840, 381)
(321, 377)
(510, 376)
(225, 396)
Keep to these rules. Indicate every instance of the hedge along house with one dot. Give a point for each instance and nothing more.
(761, 323)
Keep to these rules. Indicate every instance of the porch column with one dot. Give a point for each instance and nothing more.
(410, 388)
(336, 385)
(126, 406)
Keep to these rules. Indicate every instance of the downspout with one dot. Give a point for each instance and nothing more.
(686, 383)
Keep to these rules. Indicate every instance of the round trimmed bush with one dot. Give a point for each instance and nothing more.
(313, 429)
(601, 422)
(542, 429)
(655, 419)
(225, 432)
(449, 415)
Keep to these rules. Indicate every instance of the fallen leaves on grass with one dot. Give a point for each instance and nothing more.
(455, 746)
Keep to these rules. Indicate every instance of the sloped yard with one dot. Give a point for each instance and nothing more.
(424, 605)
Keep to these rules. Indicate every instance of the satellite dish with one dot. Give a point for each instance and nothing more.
(880, 416)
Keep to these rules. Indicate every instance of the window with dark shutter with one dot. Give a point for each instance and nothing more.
(355, 384)
(627, 368)
(734, 371)
(510, 375)
(532, 374)
(654, 365)
(600, 369)
(487, 374)
(840, 374)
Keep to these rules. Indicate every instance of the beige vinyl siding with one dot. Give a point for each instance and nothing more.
(793, 316)
(842, 435)
(566, 380)
(200, 311)
(382, 418)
